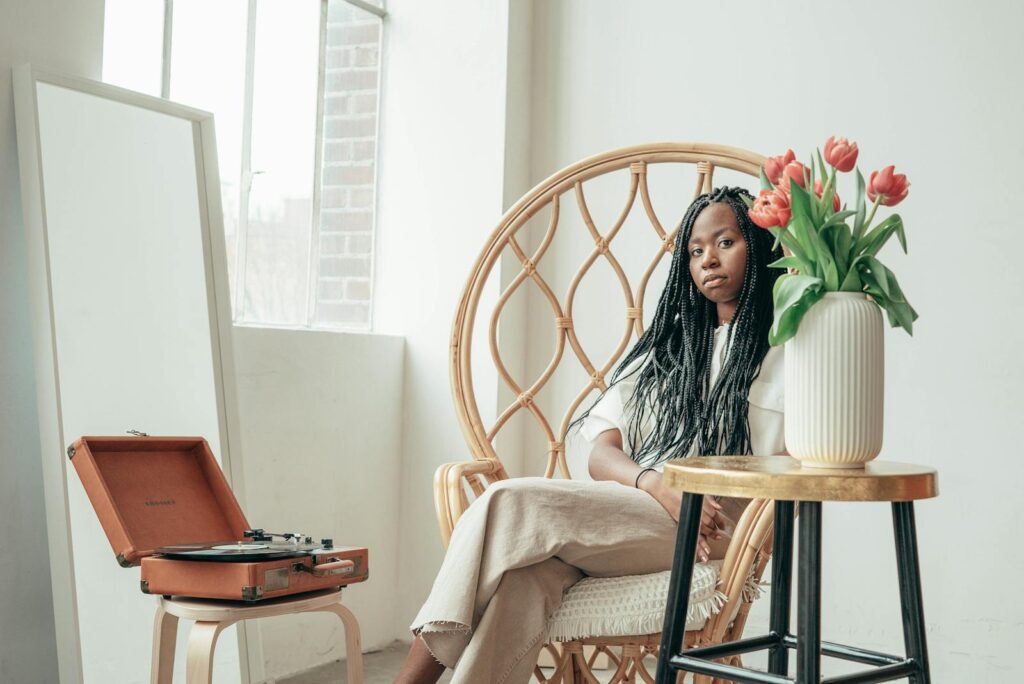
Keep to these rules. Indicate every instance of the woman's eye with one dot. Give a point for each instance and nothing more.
(695, 252)
(726, 243)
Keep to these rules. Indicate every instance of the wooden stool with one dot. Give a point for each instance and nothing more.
(783, 479)
(213, 617)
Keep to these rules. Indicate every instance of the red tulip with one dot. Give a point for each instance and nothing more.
(771, 208)
(773, 166)
(841, 153)
(794, 170)
(818, 189)
(891, 187)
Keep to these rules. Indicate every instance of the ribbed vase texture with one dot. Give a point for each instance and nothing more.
(835, 371)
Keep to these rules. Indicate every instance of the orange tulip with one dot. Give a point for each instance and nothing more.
(818, 189)
(796, 171)
(770, 209)
(891, 187)
(841, 153)
(773, 166)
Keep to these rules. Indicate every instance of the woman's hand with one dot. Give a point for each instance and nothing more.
(671, 499)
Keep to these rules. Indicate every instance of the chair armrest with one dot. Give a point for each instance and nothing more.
(450, 495)
(745, 560)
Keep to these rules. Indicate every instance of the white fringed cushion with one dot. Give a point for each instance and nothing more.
(635, 604)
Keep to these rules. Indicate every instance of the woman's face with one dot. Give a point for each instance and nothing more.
(718, 254)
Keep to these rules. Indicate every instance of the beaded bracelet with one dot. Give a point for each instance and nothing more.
(636, 484)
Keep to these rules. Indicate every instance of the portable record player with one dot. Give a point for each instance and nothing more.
(164, 504)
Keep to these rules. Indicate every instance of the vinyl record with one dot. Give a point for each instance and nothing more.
(237, 552)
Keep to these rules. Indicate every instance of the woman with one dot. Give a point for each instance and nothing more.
(702, 380)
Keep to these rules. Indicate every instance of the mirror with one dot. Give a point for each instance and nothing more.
(131, 322)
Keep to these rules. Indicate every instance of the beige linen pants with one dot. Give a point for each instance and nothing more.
(514, 552)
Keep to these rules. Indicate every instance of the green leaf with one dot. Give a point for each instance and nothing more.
(871, 243)
(788, 238)
(793, 296)
(765, 183)
(791, 262)
(822, 169)
(852, 282)
(799, 200)
(858, 223)
(843, 242)
(881, 284)
(874, 274)
(838, 217)
(832, 235)
(826, 264)
(746, 200)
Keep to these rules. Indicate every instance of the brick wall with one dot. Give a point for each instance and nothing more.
(350, 148)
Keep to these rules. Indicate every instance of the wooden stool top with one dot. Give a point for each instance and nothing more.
(783, 478)
(213, 610)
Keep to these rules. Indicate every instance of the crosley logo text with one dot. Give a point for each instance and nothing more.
(160, 502)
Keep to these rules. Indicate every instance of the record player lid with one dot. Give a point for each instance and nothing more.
(150, 492)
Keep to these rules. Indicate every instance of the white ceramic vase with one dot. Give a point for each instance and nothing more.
(835, 371)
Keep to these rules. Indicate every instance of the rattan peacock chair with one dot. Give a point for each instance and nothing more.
(456, 484)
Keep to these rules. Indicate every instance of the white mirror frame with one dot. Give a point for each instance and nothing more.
(53, 441)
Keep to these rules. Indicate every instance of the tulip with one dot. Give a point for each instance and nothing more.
(818, 190)
(796, 171)
(761, 212)
(841, 153)
(890, 187)
(773, 166)
(770, 209)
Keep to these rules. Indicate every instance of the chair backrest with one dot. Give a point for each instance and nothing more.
(547, 195)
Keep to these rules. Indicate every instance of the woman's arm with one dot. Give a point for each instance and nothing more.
(609, 462)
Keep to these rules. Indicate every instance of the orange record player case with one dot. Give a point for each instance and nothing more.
(154, 492)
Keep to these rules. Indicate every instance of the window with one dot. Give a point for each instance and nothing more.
(294, 89)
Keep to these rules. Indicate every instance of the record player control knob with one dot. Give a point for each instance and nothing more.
(327, 543)
(309, 540)
(255, 535)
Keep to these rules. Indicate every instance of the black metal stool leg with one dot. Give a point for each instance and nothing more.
(808, 638)
(910, 587)
(782, 579)
(679, 585)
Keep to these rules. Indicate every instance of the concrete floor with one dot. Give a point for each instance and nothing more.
(379, 667)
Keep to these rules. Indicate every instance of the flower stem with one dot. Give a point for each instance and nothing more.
(871, 214)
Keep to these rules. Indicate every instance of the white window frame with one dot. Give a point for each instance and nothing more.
(246, 175)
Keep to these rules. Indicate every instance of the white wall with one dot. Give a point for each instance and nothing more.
(440, 194)
(936, 89)
(63, 37)
(321, 439)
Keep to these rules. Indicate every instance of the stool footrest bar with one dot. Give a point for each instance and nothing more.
(730, 672)
(733, 647)
(881, 674)
(857, 655)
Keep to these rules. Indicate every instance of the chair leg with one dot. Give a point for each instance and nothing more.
(202, 641)
(911, 603)
(808, 648)
(353, 642)
(165, 633)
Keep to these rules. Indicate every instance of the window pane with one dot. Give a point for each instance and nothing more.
(133, 44)
(349, 155)
(283, 140)
(208, 72)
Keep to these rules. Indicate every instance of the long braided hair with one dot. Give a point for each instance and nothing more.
(672, 360)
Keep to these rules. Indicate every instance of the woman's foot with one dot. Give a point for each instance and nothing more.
(419, 666)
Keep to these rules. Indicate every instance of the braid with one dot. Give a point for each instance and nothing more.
(673, 357)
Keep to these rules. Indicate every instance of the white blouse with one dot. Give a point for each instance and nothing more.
(764, 412)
